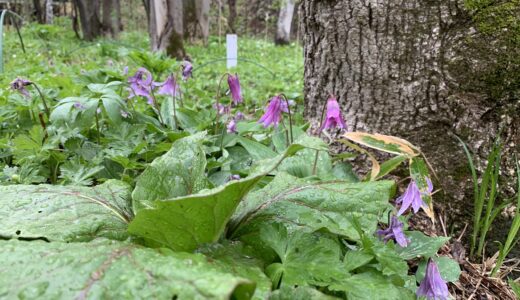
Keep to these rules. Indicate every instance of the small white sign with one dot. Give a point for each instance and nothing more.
(232, 50)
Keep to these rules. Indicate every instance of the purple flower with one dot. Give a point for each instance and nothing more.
(222, 109)
(333, 118)
(233, 177)
(239, 116)
(273, 112)
(285, 108)
(79, 105)
(395, 232)
(125, 71)
(168, 87)
(234, 87)
(187, 68)
(19, 85)
(433, 286)
(141, 84)
(232, 126)
(412, 197)
(98, 110)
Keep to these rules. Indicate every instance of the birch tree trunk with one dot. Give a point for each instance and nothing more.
(407, 68)
(202, 10)
(49, 14)
(166, 27)
(283, 26)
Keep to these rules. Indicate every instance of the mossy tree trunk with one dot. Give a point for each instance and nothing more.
(402, 67)
(166, 27)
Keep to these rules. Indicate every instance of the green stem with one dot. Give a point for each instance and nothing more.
(314, 167)
(156, 106)
(47, 111)
(290, 116)
(218, 101)
(97, 127)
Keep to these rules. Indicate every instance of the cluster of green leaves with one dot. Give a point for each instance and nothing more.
(130, 203)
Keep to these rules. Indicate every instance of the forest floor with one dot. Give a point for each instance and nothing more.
(54, 58)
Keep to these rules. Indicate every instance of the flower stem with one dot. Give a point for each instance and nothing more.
(157, 108)
(218, 101)
(44, 127)
(319, 136)
(97, 127)
(174, 108)
(290, 116)
(47, 111)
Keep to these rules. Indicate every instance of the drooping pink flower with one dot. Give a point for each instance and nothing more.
(19, 85)
(273, 112)
(234, 87)
(222, 109)
(141, 84)
(412, 197)
(187, 69)
(232, 126)
(285, 107)
(394, 232)
(239, 116)
(333, 118)
(433, 287)
(168, 87)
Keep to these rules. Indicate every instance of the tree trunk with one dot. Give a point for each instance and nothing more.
(401, 67)
(202, 7)
(166, 27)
(119, 18)
(38, 11)
(283, 26)
(49, 14)
(89, 18)
(108, 26)
(232, 15)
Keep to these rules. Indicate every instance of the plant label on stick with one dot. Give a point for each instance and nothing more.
(231, 50)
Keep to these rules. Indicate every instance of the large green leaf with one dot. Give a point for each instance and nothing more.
(105, 269)
(65, 213)
(448, 267)
(421, 245)
(305, 258)
(372, 285)
(312, 205)
(300, 293)
(179, 172)
(257, 150)
(240, 260)
(183, 223)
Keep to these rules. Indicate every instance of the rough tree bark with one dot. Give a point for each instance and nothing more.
(108, 24)
(283, 27)
(49, 13)
(89, 12)
(196, 19)
(166, 27)
(400, 67)
(232, 15)
(202, 7)
(38, 11)
(119, 18)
